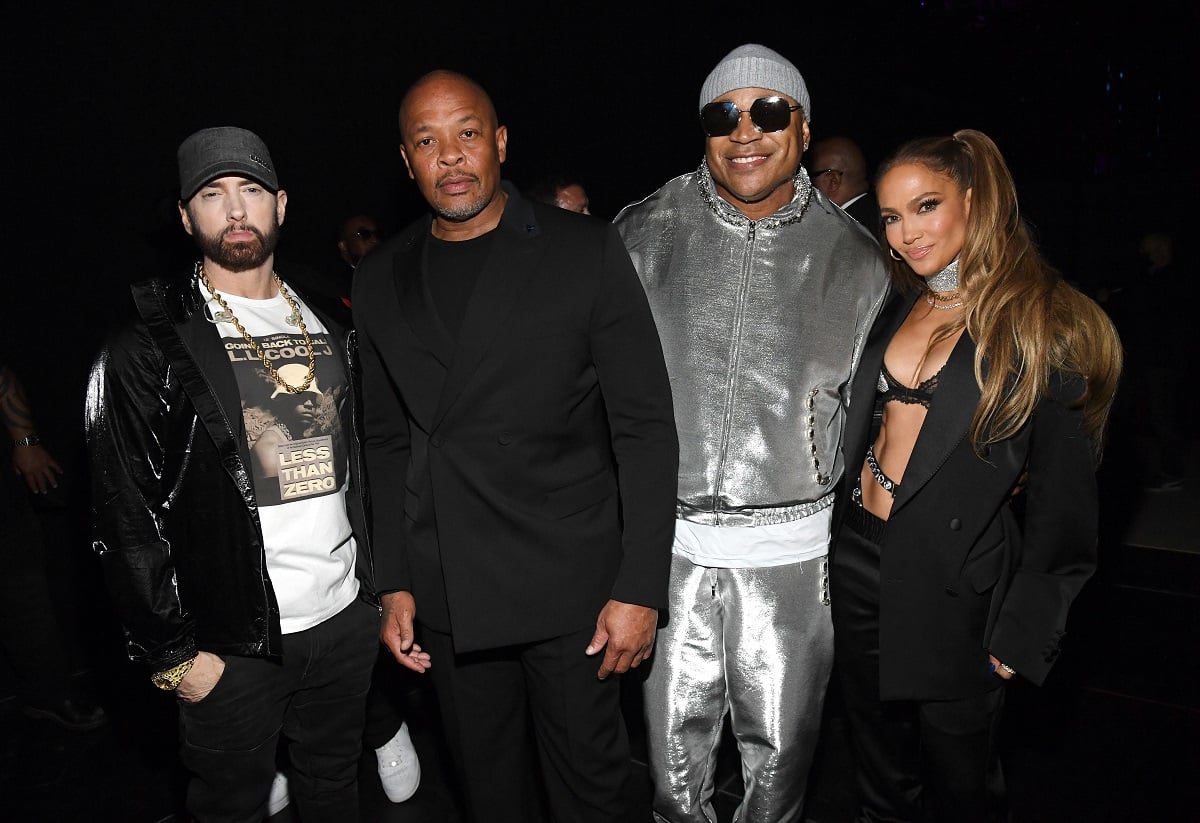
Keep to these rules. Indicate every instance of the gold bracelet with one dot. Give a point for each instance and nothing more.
(170, 679)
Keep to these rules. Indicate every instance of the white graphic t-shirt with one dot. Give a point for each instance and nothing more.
(298, 455)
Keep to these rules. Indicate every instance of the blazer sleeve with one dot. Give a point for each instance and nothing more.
(1059, 539)
(632, 374)
(386, 446)
(124, 416)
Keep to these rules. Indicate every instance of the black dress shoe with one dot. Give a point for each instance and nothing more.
(72, 713)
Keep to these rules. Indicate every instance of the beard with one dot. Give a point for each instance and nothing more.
(461, 211)
(237, 257)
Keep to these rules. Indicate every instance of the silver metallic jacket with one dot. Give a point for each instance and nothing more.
(762, 323)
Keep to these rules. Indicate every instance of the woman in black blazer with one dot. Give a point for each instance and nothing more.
(976, 418)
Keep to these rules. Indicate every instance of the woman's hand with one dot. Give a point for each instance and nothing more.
(999, 668)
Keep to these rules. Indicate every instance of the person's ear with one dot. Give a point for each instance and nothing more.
(407, 165)
(185, 218)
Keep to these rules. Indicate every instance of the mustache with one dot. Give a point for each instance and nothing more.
(456, 175)
(229, 229)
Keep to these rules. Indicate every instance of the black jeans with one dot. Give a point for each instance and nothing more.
(385, 701)
(314, 697)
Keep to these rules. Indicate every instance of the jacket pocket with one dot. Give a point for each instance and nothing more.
(575, 497)
(983, 567)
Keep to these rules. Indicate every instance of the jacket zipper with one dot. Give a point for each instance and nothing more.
(735, 350)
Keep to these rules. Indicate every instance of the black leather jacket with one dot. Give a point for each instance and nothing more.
(174, 514)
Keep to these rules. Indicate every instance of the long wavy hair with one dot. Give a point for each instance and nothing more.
(1026, 321)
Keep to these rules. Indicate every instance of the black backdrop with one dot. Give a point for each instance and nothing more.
(1088, 107)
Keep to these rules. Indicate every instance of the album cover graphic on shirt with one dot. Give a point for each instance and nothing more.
(296, 445)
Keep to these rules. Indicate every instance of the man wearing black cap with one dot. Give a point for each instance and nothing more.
(763, 292)
(227, 502)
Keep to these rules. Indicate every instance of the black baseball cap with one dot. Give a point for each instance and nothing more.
(222, 151)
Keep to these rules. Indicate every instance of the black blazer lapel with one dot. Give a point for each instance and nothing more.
(416, 304)
(948, 421)
(511, 263)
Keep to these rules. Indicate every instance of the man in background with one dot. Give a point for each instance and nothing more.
(357, 235)
(839, 171)
(29, 630)
(560, 190)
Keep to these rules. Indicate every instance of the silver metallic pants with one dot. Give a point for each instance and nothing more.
(758, 644)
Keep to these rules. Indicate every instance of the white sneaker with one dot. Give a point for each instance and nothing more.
(278, 799)
(399, 768)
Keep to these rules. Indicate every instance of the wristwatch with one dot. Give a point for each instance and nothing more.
(169, 679)
(28, 440)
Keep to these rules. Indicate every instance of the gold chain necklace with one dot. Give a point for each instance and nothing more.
(942, 301)
(258, 350)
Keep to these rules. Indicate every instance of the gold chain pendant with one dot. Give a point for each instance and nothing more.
(226, 315)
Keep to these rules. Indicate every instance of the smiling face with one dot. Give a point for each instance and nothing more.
(753, 170)
(924, 216)
(453, 149)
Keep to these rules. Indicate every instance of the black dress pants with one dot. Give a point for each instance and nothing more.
(517, 712)
(916, 760)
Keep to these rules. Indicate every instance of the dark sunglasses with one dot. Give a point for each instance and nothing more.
(366, 234)
(766, 113)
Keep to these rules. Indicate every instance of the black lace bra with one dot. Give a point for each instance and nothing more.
(890, 388)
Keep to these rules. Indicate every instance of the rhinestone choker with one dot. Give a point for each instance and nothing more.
(945, 280)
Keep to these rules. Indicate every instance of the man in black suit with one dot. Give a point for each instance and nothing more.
(839, 170)
(522, 452)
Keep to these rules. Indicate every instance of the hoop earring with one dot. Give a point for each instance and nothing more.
(895, 256)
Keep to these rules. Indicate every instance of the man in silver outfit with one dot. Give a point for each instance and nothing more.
(763, 292)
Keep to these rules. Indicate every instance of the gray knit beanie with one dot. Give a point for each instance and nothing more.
(756, 67)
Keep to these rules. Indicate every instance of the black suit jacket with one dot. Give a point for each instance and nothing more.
(866, 211)
(965, 567)
(524, 474)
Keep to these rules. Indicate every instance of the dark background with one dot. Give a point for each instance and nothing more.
(1088, 106)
